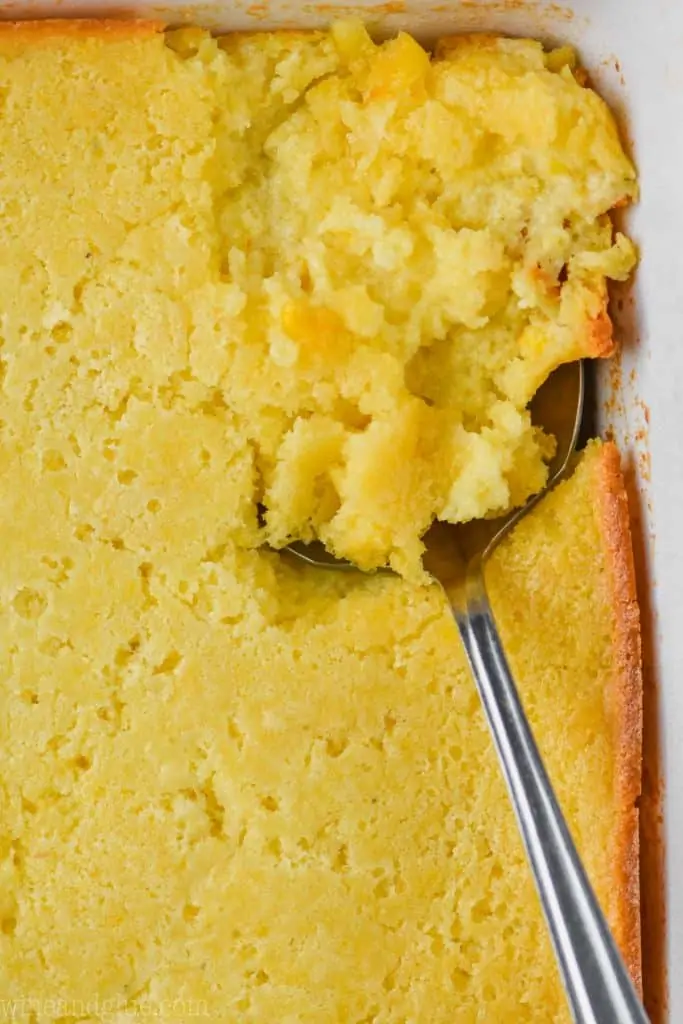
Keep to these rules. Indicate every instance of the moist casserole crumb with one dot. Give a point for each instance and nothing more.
(231, 786)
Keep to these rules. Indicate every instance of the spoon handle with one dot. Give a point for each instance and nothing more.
(597, 983)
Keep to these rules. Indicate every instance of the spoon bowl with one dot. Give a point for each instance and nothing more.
(557, 407)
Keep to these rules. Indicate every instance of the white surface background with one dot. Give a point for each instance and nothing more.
(646, 36)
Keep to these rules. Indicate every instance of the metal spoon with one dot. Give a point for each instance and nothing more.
(597, 983)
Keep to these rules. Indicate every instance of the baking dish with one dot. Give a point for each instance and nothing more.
(632, 62)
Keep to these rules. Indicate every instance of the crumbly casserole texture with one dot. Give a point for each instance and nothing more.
(309, 271)
(367, 259)
(432, 239)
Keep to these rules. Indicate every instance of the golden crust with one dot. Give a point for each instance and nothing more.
(600, 338)
(471, 40)
(280, 33)
(55, 28)
(627, 697)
